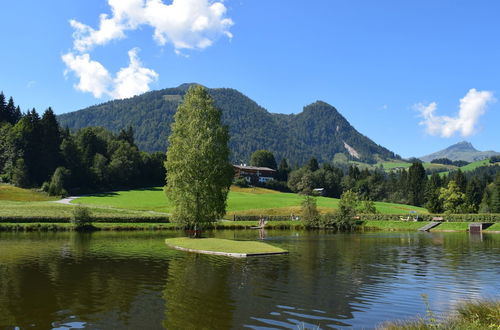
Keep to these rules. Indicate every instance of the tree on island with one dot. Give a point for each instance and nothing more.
(198, 170)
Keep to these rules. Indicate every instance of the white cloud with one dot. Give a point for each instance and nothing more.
(472, 106)
(94, 77)
(133, 79)
(187, 24)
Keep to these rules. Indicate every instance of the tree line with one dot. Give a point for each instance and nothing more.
(457, 192)
(35, 151)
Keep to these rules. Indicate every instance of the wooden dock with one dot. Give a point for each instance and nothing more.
(429, 226)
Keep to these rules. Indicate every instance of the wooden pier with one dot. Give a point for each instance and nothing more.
(429, 226)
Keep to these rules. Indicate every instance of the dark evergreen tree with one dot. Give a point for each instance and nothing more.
(313, 165)
(10, 111)
(283, 171)
(416, 184)
(460, 180)
(3, 110)
(127, 135)
(474, 193)
(51, 143)
(432, 190)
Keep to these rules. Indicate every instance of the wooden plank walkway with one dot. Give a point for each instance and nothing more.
(429, 226)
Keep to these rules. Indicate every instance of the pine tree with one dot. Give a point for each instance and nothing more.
(283, 170)
(432, 190)
(495, 195)
(51, 142)
(198, 170)
(10, 111)
(3, 110)
(417, 179)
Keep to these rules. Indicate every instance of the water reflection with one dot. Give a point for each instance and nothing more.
(131, 280)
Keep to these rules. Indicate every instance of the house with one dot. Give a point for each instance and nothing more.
(254, 174)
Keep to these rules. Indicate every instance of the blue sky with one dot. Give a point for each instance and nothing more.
(397, 70)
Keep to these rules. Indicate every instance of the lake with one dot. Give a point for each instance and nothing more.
(133, 280)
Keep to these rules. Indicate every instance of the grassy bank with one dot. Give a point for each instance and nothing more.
(468, 316)
(241, 201)
(392, 225)
(43, 226)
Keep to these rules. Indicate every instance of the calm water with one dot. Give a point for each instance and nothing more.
(132, 280)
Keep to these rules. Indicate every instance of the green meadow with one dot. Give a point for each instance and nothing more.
(241, 201)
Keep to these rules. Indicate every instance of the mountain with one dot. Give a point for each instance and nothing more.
(460, 151)
(318, 131)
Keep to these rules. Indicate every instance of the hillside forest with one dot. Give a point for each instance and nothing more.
(318, 131)
(35, 151)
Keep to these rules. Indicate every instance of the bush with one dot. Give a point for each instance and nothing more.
(240, 182)
(82, 218)
(310, 214)
(56, 186)
(276, 185)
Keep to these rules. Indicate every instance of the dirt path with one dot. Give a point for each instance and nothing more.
(67, 200)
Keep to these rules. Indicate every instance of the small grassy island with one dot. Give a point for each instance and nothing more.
(224, 247)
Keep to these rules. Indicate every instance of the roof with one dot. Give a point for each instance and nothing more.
(255, 168)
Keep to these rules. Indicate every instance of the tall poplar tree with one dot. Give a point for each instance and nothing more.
(198, 170)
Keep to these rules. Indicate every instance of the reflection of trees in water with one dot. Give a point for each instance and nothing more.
(92, 286)
(117, 280)
(198, 292)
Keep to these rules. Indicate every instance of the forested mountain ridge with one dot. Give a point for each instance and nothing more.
(319, 131)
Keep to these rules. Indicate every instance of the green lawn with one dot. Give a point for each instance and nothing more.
(394, 225)
(11, 193)
(223, 245)
(458, 226)
(51, 209)
(250, 201)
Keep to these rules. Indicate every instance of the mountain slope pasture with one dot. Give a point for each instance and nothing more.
(241, 201)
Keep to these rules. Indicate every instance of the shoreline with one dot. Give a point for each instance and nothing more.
(372, 226)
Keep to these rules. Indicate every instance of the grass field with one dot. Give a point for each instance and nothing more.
(479, 163)
(241, 201)
(11, 193)
(393, 225)
(223, 245)
(452, 226)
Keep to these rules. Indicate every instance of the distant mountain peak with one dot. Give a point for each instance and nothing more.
(464, 145)
(460, 151)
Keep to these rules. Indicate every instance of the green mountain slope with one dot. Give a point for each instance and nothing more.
(460, 151)
(319, 131)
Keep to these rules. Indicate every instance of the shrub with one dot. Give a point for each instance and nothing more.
(56, 186)
(310, 214)
(82, 218)
(240, 182)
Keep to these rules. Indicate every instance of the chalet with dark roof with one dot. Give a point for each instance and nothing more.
(254, 174)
